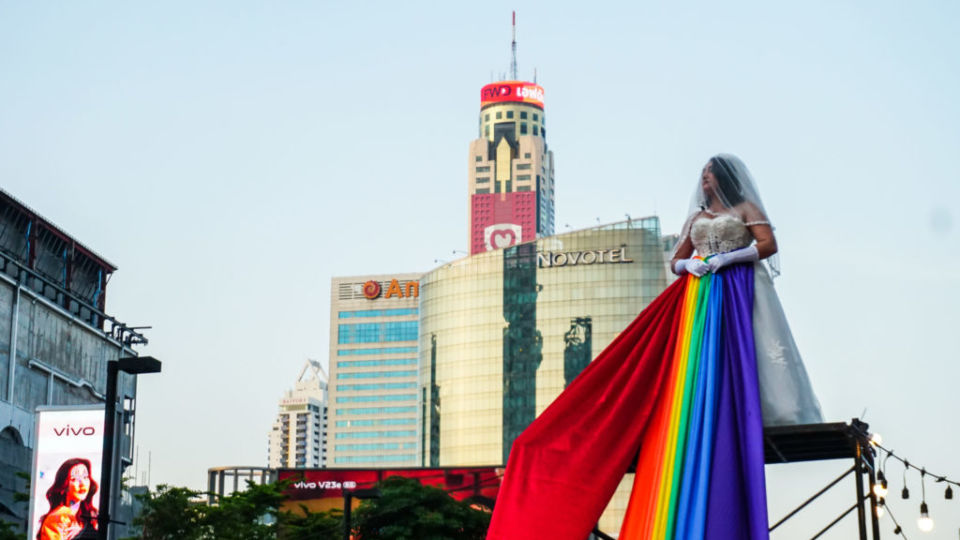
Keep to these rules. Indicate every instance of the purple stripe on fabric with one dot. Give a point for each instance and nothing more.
(737, 507)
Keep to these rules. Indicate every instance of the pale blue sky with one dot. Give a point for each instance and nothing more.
(231, 157)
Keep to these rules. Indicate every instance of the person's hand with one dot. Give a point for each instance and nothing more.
(692, 266)
(717, 261)
(747, 254)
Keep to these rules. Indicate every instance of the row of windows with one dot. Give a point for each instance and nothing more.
(376, 410)
(365, 399)
(523, 116)
(374, 434)
(377, 332)
(378, 313)
(376, 374)
(367, 447)
(526, 155)
(523, 131)
(378, 459)
(369, 363)
(381, 386)
(379, 422)
(379, 350)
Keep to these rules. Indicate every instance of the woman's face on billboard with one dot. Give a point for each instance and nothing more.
(78, 484)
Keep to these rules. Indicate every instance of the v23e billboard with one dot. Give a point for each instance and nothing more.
(323, 489)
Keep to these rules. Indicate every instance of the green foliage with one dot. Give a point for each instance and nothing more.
(246, 515)
(408, 510)
(22, 496)
(170, 513)
(311, 525)
(8, 532)
(173, 513)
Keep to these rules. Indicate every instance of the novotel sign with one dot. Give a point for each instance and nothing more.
(512, 91)
(550, 259)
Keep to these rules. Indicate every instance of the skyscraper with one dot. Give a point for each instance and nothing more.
(374, 325)
(510, 167)
(298, 437)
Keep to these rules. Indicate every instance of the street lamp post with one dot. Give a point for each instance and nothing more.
(134, 365)
(348, 497)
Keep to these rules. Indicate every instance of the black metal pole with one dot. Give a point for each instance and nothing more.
(874, 503)
(858, 478)
(347, 503)
(106, 475)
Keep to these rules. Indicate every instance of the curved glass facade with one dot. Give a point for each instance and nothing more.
(503, 332)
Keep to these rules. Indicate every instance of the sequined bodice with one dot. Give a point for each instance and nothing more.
(719, 235)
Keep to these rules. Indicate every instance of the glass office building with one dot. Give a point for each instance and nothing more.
(373, 389)
(502, 333)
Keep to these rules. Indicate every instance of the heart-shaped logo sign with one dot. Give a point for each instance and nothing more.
(502, 235)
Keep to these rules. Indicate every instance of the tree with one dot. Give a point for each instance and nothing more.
(170, 513)
(8, 531)
(408, 510)
(311, 525)
(173, 513)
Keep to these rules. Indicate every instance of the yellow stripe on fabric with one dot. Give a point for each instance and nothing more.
(681, 359)
(686, 404)
(642, 510)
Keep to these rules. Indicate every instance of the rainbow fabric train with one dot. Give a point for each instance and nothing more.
(679, 388)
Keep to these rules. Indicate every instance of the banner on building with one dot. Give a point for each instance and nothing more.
(65, 480)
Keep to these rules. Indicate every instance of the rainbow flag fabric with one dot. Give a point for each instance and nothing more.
(679, 388)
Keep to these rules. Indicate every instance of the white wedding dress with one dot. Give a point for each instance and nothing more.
(785, 392)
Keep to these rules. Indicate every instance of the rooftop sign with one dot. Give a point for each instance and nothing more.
(512, 91)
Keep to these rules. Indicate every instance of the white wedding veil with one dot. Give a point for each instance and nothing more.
(736, 195)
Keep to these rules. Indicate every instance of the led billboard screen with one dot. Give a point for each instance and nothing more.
(322, 489)
(512, 91)
(65, 486)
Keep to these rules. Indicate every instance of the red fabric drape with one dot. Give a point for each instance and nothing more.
(567, 464)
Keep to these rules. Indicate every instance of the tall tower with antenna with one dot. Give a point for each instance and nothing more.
(511, 179)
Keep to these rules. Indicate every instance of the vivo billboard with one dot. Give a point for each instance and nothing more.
(65, 484)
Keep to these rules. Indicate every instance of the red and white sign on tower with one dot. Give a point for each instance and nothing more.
(512, 91)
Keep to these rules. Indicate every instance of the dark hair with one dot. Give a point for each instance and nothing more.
(57, 494)
(727, 183)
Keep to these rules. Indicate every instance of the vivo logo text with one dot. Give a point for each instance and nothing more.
(70, 431)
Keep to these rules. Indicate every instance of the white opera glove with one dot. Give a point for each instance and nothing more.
(742, 255)
(692, 266)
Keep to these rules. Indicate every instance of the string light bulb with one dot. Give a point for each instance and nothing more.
(880, 504)
(905, 494)
(880, 488)
(924, 523)
(876, 439)
(948, 494)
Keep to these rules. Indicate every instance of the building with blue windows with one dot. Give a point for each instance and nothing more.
(373, 391)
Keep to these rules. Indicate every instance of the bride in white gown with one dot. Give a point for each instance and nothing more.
(725, 219)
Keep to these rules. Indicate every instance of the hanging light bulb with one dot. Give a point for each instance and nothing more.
(876, 439)
(880, 504)
(880, 488)
(924, 523)
(948, 494)
(905, 494)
